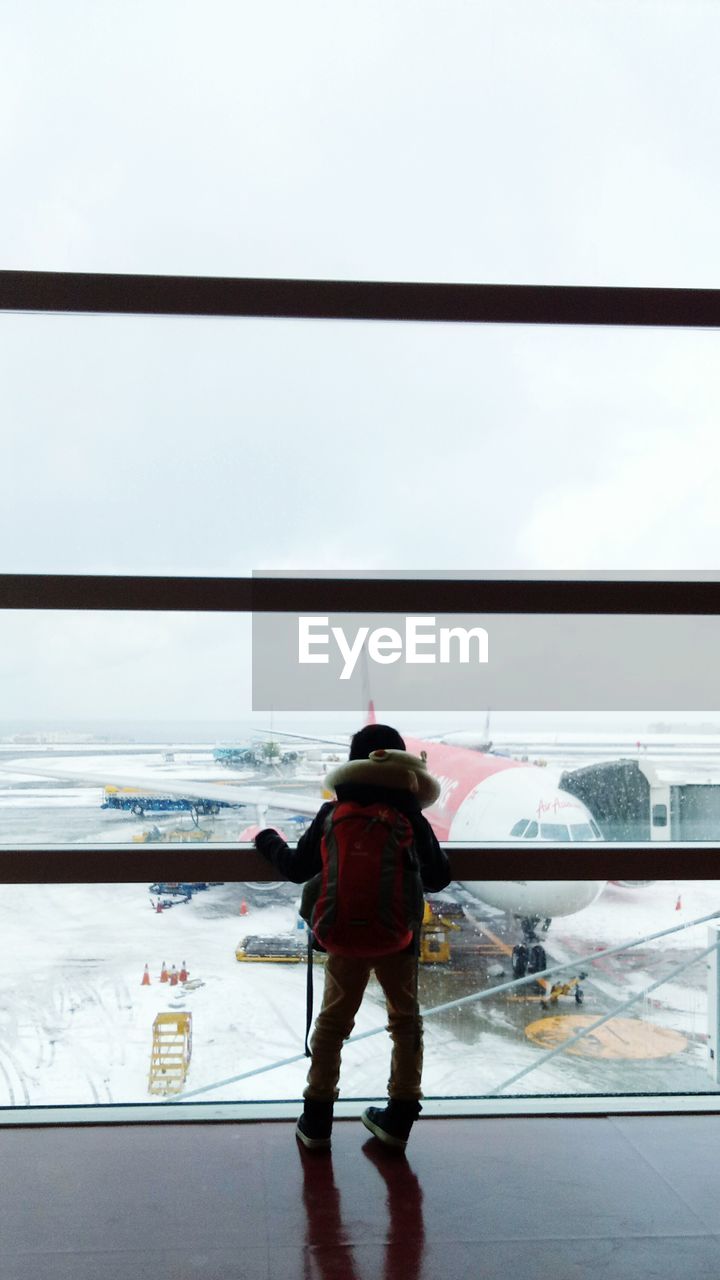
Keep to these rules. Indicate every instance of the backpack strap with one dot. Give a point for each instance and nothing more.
(309, 993)
(330, 895)
(414, 894)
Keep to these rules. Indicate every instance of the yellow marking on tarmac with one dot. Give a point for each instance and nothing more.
(621, 1038)
(502, 947)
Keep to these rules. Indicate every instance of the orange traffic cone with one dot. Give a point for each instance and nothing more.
(159, 908)
(678, 904)
(183, 973)
(243, 908)
(145, 978)
(163, 973)
(173, 977)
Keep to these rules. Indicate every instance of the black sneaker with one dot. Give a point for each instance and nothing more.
(392, 1124)
(314, 1127)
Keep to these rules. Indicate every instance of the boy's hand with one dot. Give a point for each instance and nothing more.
(261, 838)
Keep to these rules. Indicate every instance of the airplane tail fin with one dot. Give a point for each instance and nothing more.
(371, 718)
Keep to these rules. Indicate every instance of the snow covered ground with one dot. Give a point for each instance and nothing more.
(76, 1023)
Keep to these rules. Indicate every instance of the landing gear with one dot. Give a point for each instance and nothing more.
(536, 958)
(528, 960)
(529, 955)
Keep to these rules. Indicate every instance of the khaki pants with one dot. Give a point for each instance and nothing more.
(345, 981)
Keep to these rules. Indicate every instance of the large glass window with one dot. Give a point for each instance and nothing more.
(524, 142)
(127, 726)
(131, 993)
(218, 446)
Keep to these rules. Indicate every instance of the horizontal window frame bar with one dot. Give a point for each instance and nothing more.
(306, 595)
(122, 294)
(133, 864)
(481, 1106)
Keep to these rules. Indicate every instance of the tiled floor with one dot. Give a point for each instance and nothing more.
(555, 1199)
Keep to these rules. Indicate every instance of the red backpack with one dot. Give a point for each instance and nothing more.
(369, 893)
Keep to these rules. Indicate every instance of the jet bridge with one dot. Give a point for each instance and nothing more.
(637, 800)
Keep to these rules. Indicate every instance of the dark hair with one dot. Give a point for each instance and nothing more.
(372, 737)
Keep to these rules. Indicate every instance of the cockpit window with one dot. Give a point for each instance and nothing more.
(554, 831)
(581, 831)
(596, 829)
(519, 827)
(531, 831)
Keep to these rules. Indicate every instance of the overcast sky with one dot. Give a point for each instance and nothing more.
(517, 141)
(552, 141)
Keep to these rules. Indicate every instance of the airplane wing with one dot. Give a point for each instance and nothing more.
(312, 740)
(192, 788)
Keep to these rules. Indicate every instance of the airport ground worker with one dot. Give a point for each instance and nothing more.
(368, 856)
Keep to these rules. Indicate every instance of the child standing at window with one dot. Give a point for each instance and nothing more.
(373, 853)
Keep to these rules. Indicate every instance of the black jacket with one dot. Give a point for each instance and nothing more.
(299, 865)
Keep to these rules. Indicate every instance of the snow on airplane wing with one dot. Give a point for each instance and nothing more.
(185, 788)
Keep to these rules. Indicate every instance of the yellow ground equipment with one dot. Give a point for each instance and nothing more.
(171, 1052)
(548, 993)
(434, 941)
(284, 949)
(183, 834)
(553, 993)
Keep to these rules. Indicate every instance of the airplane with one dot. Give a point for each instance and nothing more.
(488, 797)
(494, 798)
(483, 797)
